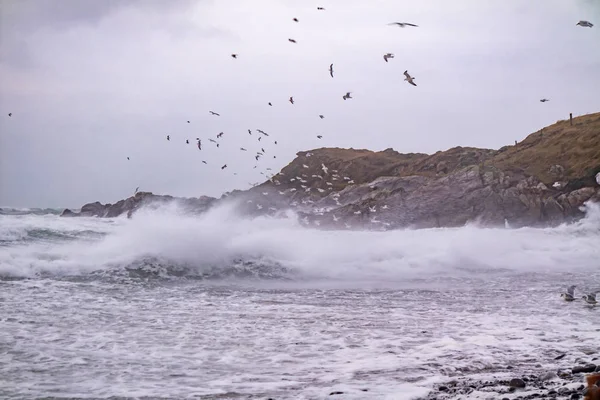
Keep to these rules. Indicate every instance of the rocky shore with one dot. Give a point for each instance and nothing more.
(542, 181)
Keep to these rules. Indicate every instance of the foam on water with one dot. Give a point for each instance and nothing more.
(220, 239)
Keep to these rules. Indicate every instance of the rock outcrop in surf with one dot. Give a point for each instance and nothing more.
(542, 181)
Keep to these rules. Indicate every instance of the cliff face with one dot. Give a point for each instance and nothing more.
(543, 180)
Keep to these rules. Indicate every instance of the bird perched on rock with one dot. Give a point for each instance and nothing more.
(409, 78)
(569, 295)
(585, 24)
(402, 24)
(387, 56)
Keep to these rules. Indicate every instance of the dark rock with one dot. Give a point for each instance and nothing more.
(560, 356)
(334, 393)
(68, 213)
(517, 383)
(585, 369)
(575, 396)
(443, 388)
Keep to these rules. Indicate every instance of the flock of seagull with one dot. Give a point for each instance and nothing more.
(569, 295)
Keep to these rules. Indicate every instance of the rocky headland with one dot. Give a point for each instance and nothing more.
(541, 181)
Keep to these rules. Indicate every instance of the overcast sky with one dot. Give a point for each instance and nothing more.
(90, 83)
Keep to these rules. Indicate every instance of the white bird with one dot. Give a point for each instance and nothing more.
(292, 180)
(320, 190)
(305, 220)
(303, 181)
(585, 24)
(324, 168)
(373, 209)
(347, 225)
(350, 182)
(334, 179)
(292, 189)
(336, 219)
(259, 206)
(249, 201)
(272, 209)
(280, 192)
(265, 193)
(357, 212)
(346, 178)
(374, 220)
(387, 56)
(385, 207)
(303, 186)
(308, 154)
(409, 78)
(307, 189)
(334, 170)
(329, 183)
(305, 166)
(317, 223)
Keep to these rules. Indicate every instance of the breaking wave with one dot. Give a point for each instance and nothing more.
(220, 244)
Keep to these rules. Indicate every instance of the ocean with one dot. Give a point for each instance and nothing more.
(217, 306)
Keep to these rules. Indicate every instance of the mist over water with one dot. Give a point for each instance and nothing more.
(172, 305)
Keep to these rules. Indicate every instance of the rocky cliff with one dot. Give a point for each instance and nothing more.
(540, 181)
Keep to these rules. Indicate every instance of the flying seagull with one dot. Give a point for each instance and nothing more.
(127, 158)
(321, 116)
(168, 137)
(270, 104)
(259, 138)
(347, 96)
(321, 8)
(295, 19)
(569, 295)
(219, 135)
(585, 24)
(136, 190)
(291, 99)
(331, 70)
(249, 131)
(263, 132)
(224, 166)
(188, 122)
(409, 78)
(388, 55)
(590, 298)
(292, 40)
(214, 113)
(187, 141)
(234, 55)
(319, 137)
(10, 114)
(204, 162)
(402, 24)
(243, 149)
(199, 144)
(544, 100)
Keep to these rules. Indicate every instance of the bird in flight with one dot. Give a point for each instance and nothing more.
(270, 104)
(127, 158)
(168, 137)
(10, 114)
(295, 19)
(319, 137)
(234, 55)
(188, 122)
(204, 162)
(187, 141)
(585, 24)
(214, 113)
(402, 24)
(249, 131)
(347, 96)
(243, 149)
(291, 99)
(219, 135)
(544, 100)
(388, 55)
(224, 166)
(321, 8)
(409, 78)
(263, 132)
(292, 40)
(331, 70)
(321, 116)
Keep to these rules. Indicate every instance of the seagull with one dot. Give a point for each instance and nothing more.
(249, 131)
(187, 141)
(214, 113)
(276, 142)
(324, 168)
(204, 162)
(357, 212)
(10, 114)
(259, 206)
(320, 190)
(331, 70)
(199, 144)
(256, 157)
(402, 24)
(346, 178)
(291, 99)
(569, 295)
(219, 135)
(319, 137)
(335, 219)
(270, 104)
(347, 96)
(350, 182)
(243, 149)
(590, 298)
(212, 140)
(373, 209)
(544, 100)
(234, 55)
(292, 40)
(321, 8)
(188, 122)
(224, 166)
(585, 24)
(409, 78)
(385, 207)
(259, 138)
(329, 183)
(304, 165)
(127, 158)
(136, 190)
(293, 189)
(168, 137)
(265, 193)
(263, 132)
(388, 55)
(295, 19)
